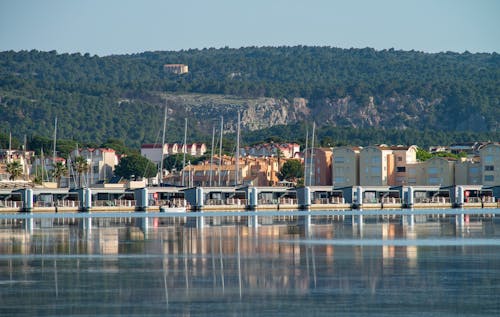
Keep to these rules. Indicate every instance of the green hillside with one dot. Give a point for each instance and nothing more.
(97, 98)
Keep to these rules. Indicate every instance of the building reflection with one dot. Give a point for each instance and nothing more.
(235, 258)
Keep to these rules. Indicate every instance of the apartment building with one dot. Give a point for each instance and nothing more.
(24, 158)
(318, 167)
(375, 165)
(193, 149)
(490, 164)
(414, 174)
(402, 158)
(345, 166)
(101, 161)
(262, 172)
(252, 171)
(468, 172)
(285, 150)
(154, 152)
(439, 171)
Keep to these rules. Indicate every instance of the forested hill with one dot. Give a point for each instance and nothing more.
(122, 96)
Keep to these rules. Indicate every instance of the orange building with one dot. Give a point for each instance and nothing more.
(252, 171)
(319, 169)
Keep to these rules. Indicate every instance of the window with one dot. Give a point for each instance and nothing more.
(339, 160)
(488, 159)
(434, 180)
(489, 178)
(375, 180)
(339, 171)
(375, 160)
(376, 170)
(400, 159)
(401, 169)
(432, 170)
(339, 180)
(489, 168)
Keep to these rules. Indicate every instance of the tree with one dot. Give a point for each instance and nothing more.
(135, 165)
(81, 166)
(59, 170)
(423, 155)
(292, 170)
(117, 145)
(175, 161)
(15, 169)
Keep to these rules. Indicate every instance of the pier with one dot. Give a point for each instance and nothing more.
(246, 198)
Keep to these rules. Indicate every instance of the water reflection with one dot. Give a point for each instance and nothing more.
(148, 266)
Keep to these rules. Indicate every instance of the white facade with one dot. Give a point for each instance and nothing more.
(102, 163)
(153, 152)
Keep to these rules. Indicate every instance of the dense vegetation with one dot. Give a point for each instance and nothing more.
(100, 98)
(331, 136)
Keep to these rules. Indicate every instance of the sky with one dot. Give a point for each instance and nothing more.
(106, 27)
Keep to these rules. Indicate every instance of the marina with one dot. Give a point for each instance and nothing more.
(246, 198)
(286, 263)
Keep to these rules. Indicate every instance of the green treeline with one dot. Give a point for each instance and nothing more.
(332, 136)
(100, 98)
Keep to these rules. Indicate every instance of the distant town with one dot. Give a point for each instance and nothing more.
(475, 163)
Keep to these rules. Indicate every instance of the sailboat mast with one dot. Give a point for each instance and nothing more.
(10, 147)
(237, 156)
(25, 155)
(160, 180)
(43, 163)
(305, 157)
(220, 147)
(212, 157)
(184, 148)
(312, 177)
(55, 139)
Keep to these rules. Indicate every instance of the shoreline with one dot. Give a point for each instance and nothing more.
(261, 208)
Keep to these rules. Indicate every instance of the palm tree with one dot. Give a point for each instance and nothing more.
(59, 170)
(81, 166)
(15, 169)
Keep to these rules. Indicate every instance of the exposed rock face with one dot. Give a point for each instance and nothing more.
(399, 112)
(274, 112)
(396, 112)
(255, 113)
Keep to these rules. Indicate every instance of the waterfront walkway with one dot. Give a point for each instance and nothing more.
(237, 199)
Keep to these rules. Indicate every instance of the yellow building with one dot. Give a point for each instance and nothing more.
(468, 172)
(415, 174)
(490, 164)
(345, 166)
(439, 171)
(375, 165)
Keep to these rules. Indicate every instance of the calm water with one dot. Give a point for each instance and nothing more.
(155, 267)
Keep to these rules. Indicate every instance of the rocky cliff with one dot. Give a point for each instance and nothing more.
(396, 112)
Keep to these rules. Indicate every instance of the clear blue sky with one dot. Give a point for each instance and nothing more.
(105, 27)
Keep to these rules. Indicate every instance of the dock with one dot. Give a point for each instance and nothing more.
(244, 198)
